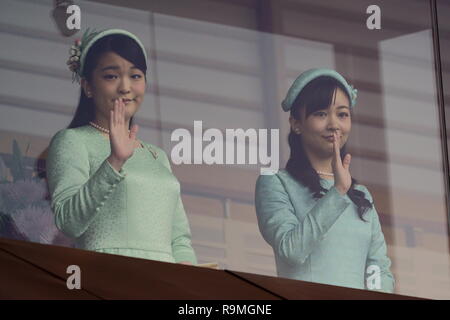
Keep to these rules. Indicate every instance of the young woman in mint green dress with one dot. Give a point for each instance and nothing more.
(110, 191)
(321, 224)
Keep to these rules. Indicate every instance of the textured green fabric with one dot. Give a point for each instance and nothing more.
(323, 240)
(135, 212)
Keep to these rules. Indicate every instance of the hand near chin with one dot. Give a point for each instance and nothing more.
(122, 141)
(342, 177)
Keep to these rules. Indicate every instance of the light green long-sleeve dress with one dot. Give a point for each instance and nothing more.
(322, 240)
(136, 212)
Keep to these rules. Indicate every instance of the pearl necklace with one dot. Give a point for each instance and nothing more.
(325, 173)
(96, 126)
(100, 128)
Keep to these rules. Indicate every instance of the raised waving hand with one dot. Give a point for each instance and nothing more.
(342, 177)
(123, 141)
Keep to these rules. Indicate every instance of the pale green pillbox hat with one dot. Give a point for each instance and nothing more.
(79, 51)
(309, 75)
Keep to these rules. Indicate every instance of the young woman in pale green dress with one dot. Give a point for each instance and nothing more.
(321, 224)
(110, 191)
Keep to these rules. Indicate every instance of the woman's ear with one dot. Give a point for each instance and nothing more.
(86, 88)
(296, 125)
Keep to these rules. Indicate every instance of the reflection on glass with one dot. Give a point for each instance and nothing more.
(231, 77)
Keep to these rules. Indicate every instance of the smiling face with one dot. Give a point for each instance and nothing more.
(115, 78)
(318, 127)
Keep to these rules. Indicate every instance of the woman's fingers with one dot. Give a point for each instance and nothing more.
(121, 110)
(116, 112)
(111, 118)
(134, 131)
(343, 179)
(122, 142)
(346, 162)
(117, 117)
(336, 147)
(122, 114)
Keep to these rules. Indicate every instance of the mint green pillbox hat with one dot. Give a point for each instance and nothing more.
(309, 75)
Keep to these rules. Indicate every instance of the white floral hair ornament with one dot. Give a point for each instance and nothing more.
(75, 51)
(81, 47)
(354, 93)
(74, 59)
